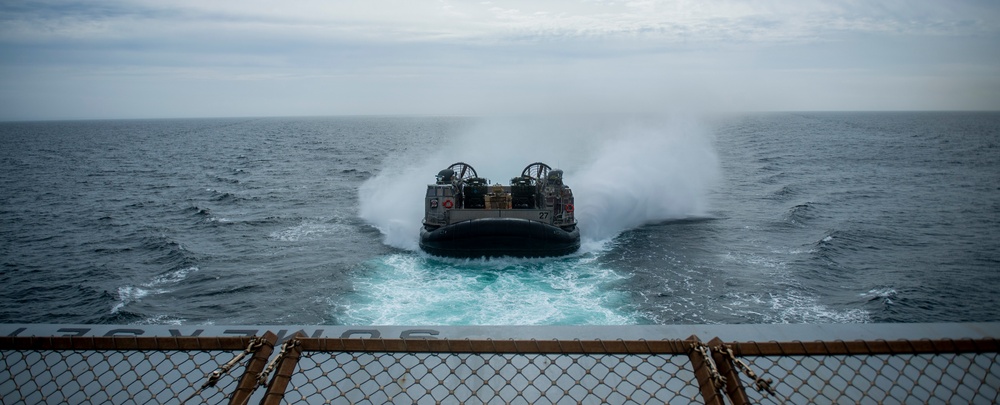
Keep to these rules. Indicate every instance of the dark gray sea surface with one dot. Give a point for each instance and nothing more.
(755, 218)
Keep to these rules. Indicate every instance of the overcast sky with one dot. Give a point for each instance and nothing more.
(196, 58)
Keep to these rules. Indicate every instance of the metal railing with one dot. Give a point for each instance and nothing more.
(241, 370)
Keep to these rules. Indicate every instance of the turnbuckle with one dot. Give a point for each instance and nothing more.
(262, 377)
(214, 376)
(718, 380)
(760, 384)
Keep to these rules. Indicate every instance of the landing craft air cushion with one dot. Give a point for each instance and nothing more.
(532, 217)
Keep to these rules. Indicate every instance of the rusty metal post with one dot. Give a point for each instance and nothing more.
(283, 374)
(248, 382)
(703, 370)
(734, 386)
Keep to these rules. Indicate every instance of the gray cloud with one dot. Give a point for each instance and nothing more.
(189, 58)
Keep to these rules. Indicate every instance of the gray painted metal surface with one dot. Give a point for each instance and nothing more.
(742, 333)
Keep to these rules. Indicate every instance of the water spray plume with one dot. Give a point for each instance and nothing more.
(645, 173)
(624, 172)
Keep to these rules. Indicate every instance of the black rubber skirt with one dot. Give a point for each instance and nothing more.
(493, 237)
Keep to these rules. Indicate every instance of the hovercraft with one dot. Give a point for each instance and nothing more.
(465, 216)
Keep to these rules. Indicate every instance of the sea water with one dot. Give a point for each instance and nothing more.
(749, 218)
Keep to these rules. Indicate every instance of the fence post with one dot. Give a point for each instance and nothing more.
(704, 371)
(248, 382)
(286, 366)
(734, 386)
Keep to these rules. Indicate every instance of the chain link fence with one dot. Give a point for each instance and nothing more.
(884, 372)
(301, 370)
(127, 370)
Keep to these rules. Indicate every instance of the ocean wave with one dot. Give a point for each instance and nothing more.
(198, 211)
(797, 307)
(775, 293)
(160, 284)
(165, 251)
(357, 174)
(252, 222)
(223, 179)
(884, 295)
(785, 192)
(225, 197)
(311, 230)
(801, 214)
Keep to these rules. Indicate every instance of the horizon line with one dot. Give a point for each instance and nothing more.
(444, 115)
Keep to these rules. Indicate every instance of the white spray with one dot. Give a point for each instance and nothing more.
(642, 173)
(624, 172)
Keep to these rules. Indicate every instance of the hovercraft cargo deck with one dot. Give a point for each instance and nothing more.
(532, 217)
